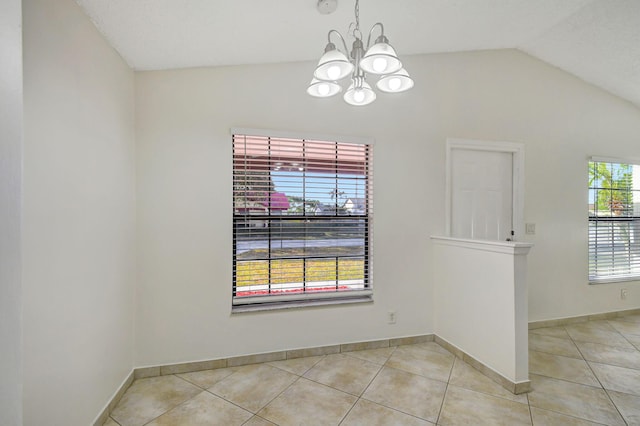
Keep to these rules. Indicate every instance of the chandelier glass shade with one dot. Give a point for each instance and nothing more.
(379, 59)
(394, 83)
(333, 65)
(359, 94)
(323, 89)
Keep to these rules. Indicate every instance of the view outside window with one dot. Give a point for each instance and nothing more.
(301, 218)
(614, 221)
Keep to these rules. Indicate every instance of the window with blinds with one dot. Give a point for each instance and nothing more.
(301, 220)
(614, 221)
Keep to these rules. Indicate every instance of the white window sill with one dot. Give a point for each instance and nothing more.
(614, 280)
(298, 304)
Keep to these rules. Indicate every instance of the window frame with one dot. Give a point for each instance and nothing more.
(308, 298)
(593, 218)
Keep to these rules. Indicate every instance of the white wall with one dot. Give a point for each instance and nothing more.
(480, 301)
(79, 216)
(507, 96)
(184, 192)
(184, 213)
(11, 123)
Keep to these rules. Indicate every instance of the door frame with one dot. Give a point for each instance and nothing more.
(517, 151)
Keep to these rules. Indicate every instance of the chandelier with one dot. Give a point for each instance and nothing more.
(379, 60)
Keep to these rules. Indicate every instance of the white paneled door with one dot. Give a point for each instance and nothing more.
(481, 194)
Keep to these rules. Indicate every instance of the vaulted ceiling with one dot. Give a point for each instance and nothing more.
(596, 40)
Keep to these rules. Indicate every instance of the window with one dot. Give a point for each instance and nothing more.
(301, 220)
(614, 221)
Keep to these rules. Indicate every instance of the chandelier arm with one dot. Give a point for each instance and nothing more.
(371, 32)
(344, 43)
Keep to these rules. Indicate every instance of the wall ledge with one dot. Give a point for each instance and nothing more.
(506, 247)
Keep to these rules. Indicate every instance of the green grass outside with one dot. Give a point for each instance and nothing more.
(256, 272)
(308, 252)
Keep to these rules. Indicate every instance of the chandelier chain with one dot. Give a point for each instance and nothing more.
(356, 11)
(356, 29)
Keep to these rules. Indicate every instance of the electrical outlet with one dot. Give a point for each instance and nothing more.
(623, 294)
(391, 317)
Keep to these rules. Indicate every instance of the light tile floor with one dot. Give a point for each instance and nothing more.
(582, 374)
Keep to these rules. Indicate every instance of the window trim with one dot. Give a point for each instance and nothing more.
(283, 301)
(266, 133)
(610, 278)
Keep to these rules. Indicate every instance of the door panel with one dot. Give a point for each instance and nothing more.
(481, 194)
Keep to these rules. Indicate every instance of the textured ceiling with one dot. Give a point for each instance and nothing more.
(596, 40)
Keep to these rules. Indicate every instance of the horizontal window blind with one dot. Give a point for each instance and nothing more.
(301, 219)
(614, 221)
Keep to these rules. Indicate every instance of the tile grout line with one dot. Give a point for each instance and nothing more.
(446, 388)
(583, 358)
(195, 384)
(336, 389)
(230, 402)
(596, 376)
(183, 402)
(215, 394)
(270, 401)
(348, 412)
(366, 387)
(624, 336)
(114, 420)
(530, 411)
(261, 418)
(572, 416)
(278, 395)
(165, 412)
(395, 408)
(444, 396)
(553, 353)
(220, 396)
(606, 391)
(624, 419)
